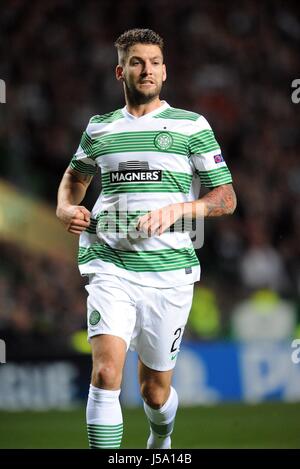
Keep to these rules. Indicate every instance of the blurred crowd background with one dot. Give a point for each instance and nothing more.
(233, 62)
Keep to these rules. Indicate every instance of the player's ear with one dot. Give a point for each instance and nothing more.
(119, 73)
(164, 77)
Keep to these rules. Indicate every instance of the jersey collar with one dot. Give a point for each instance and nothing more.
(158, 110)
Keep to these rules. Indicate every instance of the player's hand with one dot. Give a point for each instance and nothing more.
(158, 221)
(75, 218)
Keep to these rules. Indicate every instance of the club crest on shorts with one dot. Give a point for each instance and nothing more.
(163, 141)
(94, 318)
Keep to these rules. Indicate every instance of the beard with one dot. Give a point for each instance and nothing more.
(137, 97)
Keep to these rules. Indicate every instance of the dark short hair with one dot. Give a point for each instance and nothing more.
(137, 36)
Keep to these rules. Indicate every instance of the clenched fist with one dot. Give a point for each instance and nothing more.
(75, 218)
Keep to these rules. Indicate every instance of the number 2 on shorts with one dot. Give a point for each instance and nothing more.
(177, 335)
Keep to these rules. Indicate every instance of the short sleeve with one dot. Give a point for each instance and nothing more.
(206, 156)
(83, 159)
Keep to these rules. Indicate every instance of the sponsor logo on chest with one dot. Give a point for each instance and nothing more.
(135, 171)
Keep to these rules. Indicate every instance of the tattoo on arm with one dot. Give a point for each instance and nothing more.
(220, 201)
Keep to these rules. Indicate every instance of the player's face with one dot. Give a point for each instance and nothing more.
(143, 73)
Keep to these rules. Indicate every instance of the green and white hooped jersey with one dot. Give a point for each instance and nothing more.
(146, 163)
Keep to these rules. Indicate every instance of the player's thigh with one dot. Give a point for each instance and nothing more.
(165, 315)
(108, 353)
(154, 385)
(111, 315)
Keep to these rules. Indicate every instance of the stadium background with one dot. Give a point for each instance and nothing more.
(234, 62)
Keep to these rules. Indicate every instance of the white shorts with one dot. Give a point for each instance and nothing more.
(150, 320)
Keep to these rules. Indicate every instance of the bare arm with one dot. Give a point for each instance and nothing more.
(219, 201)
(71, 191)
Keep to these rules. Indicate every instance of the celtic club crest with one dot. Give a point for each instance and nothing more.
(94, 318)
(163, 141)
